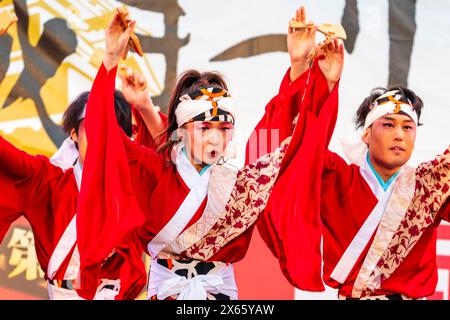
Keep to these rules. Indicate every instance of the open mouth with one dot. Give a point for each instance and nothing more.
(213, 154)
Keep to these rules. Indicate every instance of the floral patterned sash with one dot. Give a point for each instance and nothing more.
(432, 189)
(248, 199)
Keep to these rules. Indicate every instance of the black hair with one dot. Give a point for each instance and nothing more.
(406, 93)
(123, 112)
(75, 108)
(73, 111)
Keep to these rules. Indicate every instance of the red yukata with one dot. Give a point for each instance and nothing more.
(162, 208)
(47, 197)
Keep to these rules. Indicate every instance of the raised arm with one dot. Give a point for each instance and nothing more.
(300, 42)
(16, 162)
(107, 209)
(445, 211)
(134, 85)
(21, 176)
(291, 225)
(137, 93)
(303, 89)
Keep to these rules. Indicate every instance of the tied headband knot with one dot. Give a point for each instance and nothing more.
(390, 102)
(206, 93)
(392, 96)
(205, 104)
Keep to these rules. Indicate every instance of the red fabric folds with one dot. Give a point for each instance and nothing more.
(444, 213)
(143, 136)
(102, 220)
(291, 224)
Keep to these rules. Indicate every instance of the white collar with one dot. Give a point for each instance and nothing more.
(186, 170)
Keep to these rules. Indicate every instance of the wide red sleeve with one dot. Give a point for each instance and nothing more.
(277, 121)
(291, 224)
(445, 211)
(107, 207)
(21, 175)
(126, 264)
(143, 136)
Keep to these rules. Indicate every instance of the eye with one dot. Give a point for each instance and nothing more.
(201, 127)
(388, 125)
(408, 127)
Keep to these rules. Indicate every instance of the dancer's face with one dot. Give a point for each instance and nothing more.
(81, 140)
(391, 140)
(206, 140)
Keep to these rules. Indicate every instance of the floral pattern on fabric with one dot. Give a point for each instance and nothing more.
(431, 192)
(394, 213)
(248, 199)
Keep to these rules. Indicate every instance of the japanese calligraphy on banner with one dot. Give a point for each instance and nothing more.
(21, 277)
(53, 52)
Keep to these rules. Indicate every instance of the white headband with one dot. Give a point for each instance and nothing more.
(66, 155)
(187, 109)
(393, 105)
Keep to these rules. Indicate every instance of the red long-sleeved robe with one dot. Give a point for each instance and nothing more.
(329, 187)
(291, 224)
(347, 200)
(47, 197)
(153, 188)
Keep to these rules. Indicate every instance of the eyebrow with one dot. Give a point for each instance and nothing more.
(392, 119)
(210, 123)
